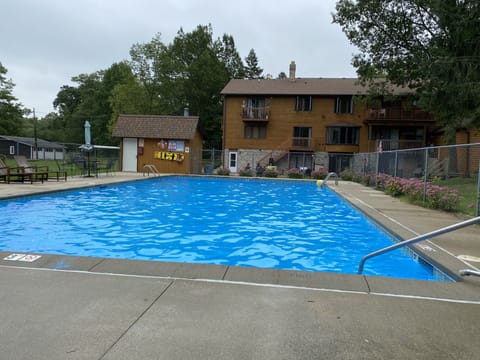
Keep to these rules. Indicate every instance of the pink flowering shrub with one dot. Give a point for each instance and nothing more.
(223, 171)
(436, 197)
(294, 173)
(346, 175)
(246, 172)
(319, 174)
(271, 173)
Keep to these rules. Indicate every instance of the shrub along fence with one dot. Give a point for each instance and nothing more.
(442, 177)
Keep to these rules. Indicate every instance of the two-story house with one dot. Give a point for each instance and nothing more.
(314, 122)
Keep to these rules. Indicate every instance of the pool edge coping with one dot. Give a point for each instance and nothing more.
(325, 280)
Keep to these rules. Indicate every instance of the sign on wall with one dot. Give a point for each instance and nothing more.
(168, 155)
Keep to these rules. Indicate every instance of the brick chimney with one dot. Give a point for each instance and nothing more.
(292, 71)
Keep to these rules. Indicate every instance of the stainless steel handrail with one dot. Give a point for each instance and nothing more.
(330, 175)
(416, 239)
(150, 169)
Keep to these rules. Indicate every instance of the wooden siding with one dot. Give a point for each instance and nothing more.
(166, 165)
(282, 120)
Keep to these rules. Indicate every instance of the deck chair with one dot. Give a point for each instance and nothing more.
(4, 172)
(27, 171)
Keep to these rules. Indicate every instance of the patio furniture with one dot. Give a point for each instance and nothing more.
(33, 173)
(4, 172)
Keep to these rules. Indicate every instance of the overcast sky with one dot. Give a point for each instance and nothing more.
(44, 43)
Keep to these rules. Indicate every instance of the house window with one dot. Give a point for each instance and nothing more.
(302, 136)
(255, 132)
(303, 103)
(343, 135)
(344, 104)
(254, 108)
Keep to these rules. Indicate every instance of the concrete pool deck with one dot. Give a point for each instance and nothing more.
(61, 307)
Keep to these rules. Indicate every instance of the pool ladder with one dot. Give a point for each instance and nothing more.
(329, 176)
(416, 239)
(150, 169)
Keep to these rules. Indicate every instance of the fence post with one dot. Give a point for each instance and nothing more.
(212, 157)
(425, 176)
(477, 211)
(396, 164)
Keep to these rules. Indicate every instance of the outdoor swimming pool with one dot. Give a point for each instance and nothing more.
(246, 222)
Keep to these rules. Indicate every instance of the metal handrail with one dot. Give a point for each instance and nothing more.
(330, 175)
(416, 239)
(150, 169)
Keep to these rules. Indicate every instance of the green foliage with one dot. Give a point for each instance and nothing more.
(346, 175)
(160, 78)
(91, 100)
(319, 174)
(222, 171)
(189, 72)
(428, 45)
(294, 173)
(11, 112)
(50, 127)
(270, 172)
(252, 70)
(246, 172)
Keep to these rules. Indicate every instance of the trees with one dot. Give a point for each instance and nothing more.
(189, 72)
(11, 112)
(159, 78)
(252, 70)
(431, 46)
(90, 100)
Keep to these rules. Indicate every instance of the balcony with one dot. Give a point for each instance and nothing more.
(302, 144)
(399, 114)
(394, 144)
(257, 114)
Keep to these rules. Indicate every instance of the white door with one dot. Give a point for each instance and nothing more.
(232, 161)
(129, 162)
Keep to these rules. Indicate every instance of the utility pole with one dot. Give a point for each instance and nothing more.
(35, 134)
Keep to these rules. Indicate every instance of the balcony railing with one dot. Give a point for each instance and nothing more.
(302, 143)
(398, 113)
(255, 113)
(389, 144)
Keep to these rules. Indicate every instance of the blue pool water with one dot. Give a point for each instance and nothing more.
(247, 222)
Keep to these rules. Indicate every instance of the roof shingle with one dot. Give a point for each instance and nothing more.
(156, 127)
(300, 86)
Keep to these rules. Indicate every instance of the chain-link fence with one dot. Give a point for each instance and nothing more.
(101, 159)
(62, 157)
(440, 162)
(455, 167)
(211, 160)
(282, 161)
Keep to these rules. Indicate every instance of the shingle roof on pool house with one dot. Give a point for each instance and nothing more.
(156, 126)
(161, 143)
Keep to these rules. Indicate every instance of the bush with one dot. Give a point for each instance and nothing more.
(436, 197)
(294, 173)
(246, 172)
(223, 171)
(346, 175)
(381, 180)
(393, 187)
(319, 174)
(357, 177)
(272, 173)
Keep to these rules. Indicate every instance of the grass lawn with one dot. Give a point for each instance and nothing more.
(468, 190)
(54, 165)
